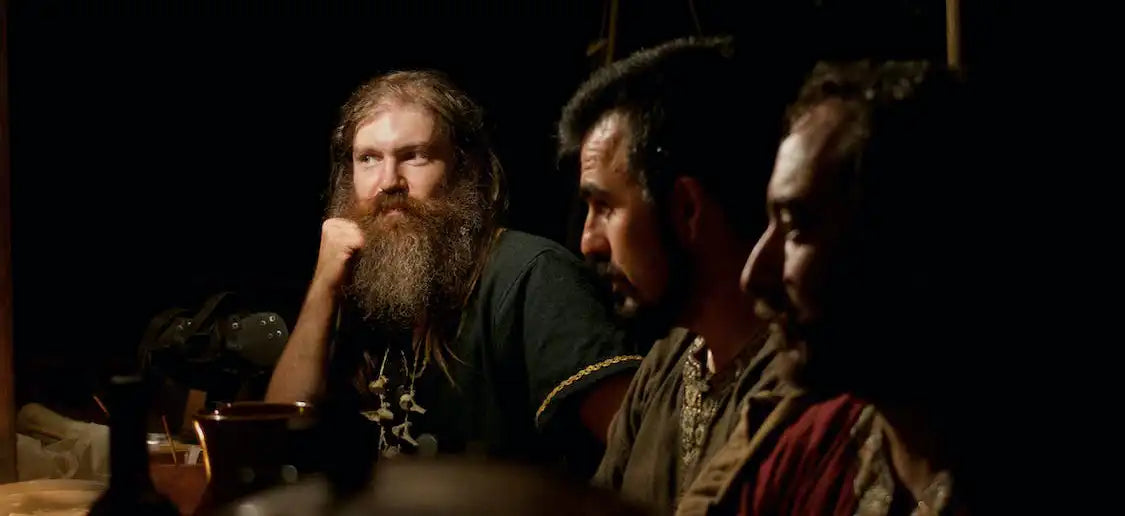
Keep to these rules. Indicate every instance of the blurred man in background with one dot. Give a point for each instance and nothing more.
(862, 268)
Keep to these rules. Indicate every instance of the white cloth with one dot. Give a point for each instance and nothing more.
(50, 445)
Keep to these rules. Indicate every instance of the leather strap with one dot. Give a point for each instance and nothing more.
(153, 332)
(207, 309)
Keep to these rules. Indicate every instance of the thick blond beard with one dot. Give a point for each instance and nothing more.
(416, 266)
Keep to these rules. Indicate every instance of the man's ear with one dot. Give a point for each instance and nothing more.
(686, 205)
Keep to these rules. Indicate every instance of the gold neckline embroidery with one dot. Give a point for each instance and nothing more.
(703, 394)
(698, 410)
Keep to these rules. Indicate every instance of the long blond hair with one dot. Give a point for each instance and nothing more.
(459, 118)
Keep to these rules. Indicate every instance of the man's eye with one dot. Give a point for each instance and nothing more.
(791, 224)
(369, 159)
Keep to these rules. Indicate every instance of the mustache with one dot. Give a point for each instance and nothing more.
(390, 201)
(777, 313)
(613, 279)
(766, 310)
(605, 269)
(368, 214)
(770, 305)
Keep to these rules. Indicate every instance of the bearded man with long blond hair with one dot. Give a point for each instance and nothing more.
(456, 334)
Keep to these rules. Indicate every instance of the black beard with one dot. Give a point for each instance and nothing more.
(416, 264)
(647, 323)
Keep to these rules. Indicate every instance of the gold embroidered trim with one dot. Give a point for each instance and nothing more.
(697, 412)
(578, 376)
(874, 483)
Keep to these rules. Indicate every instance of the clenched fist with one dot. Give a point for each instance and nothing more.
(339, 240)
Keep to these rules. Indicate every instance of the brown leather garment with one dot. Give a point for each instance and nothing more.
(711, 488)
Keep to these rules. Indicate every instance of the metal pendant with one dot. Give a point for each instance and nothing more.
(407, 403)
(379, 386)
(402, 431)
(384, 413)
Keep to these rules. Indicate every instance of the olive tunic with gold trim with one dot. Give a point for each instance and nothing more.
(676, 415)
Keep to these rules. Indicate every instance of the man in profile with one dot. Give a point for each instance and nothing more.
(862, 266)
(664, 143)
(457, 335)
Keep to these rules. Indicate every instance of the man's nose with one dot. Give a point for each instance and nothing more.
(594, 242)
(389, 177)
(761, 277)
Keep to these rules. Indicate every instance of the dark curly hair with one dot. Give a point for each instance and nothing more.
(693, 109)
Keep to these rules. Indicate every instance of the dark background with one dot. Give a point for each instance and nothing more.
(164, 151)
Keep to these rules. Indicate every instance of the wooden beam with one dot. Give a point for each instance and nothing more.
(611, 44)
(7, 371)
(953, 34)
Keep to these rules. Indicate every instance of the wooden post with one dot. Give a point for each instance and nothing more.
(953, 34)
(7, 376)
(611, 44)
